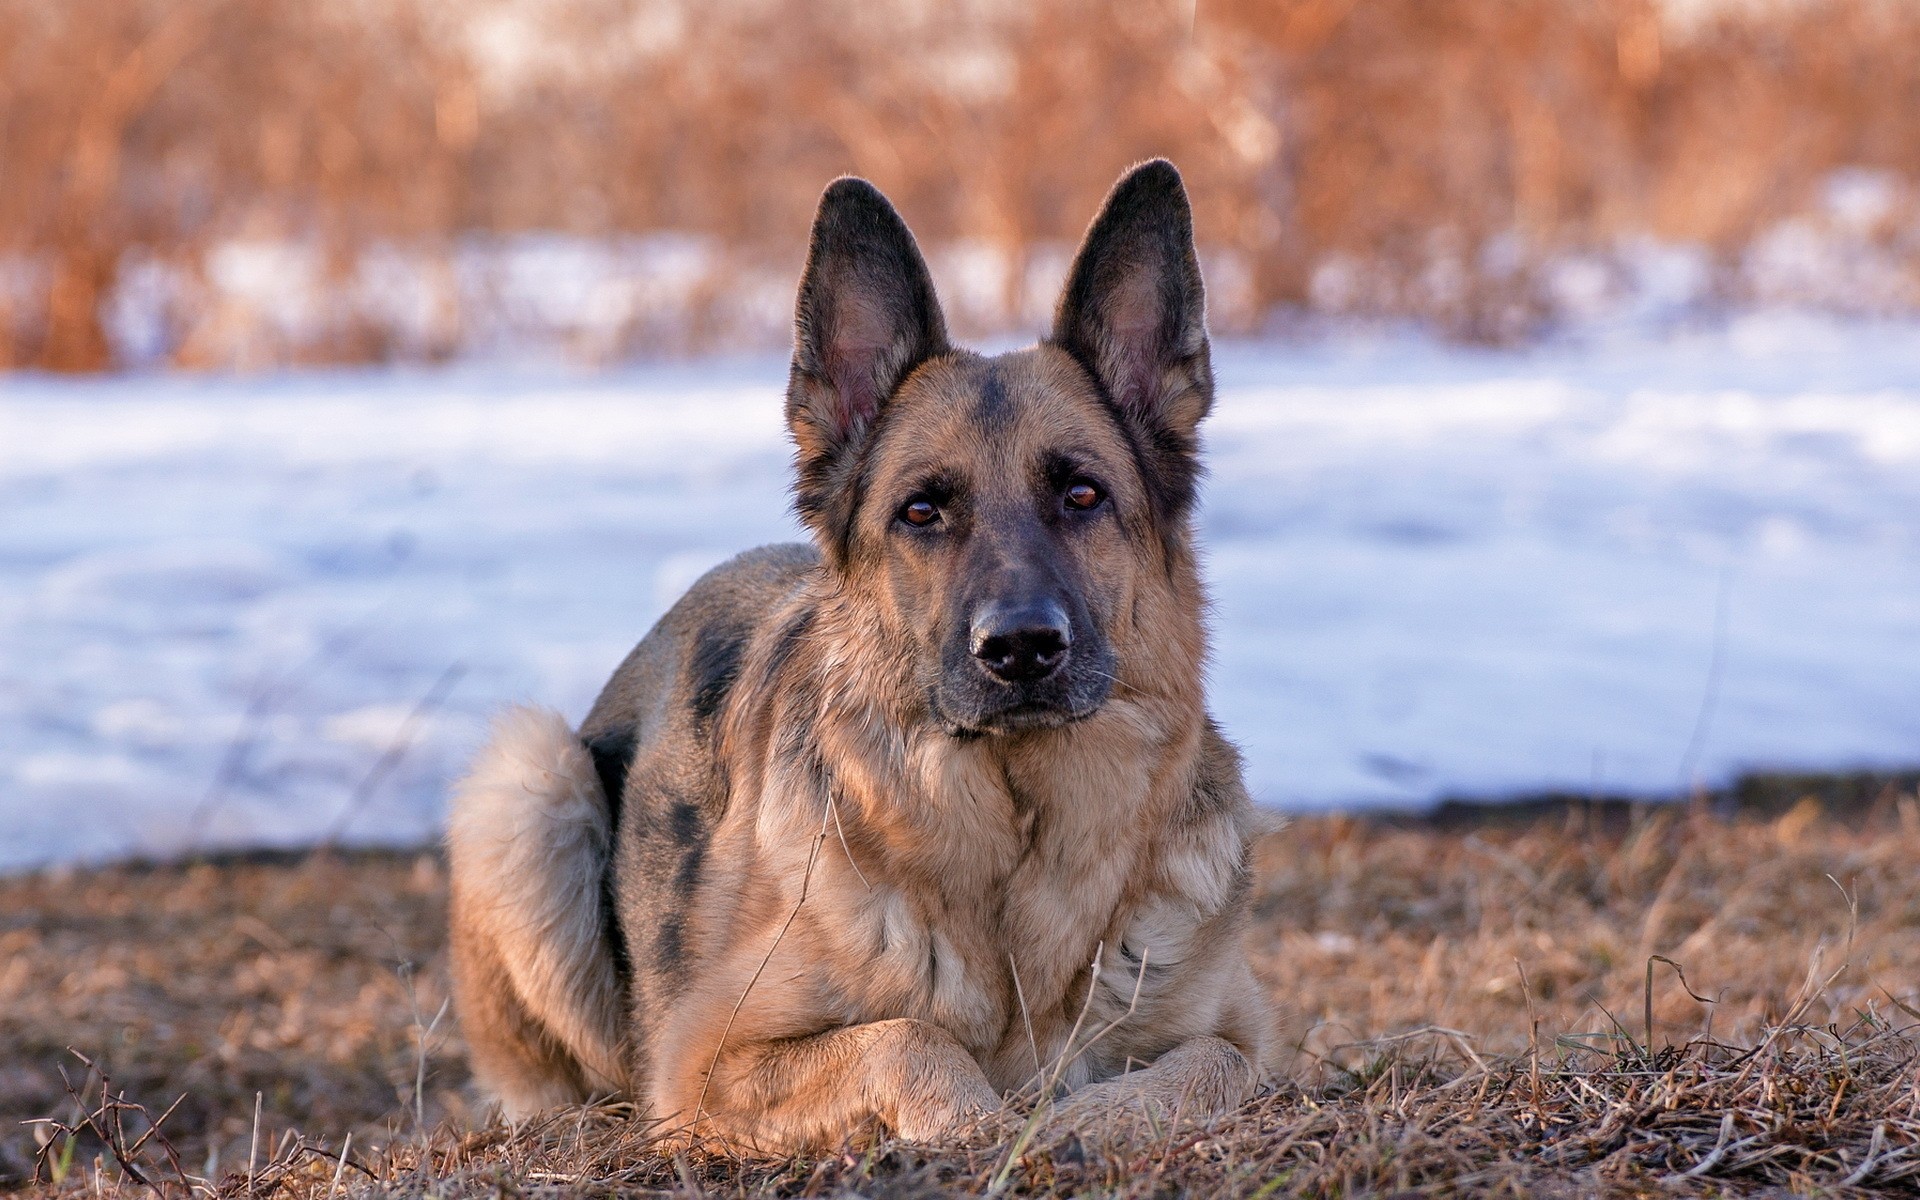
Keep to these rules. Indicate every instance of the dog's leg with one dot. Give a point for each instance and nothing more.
(1192, 1083)
(910, 1076)
(528, 837)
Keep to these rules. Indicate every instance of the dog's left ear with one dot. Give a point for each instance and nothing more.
(865, 318)
(1134, 313)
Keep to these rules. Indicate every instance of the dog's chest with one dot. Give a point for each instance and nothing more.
(1000, 930)
(975, 884)
(1015, 1001)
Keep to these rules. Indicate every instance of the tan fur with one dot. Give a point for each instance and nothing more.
(528, 837)
(879, 917)
(1028, 854)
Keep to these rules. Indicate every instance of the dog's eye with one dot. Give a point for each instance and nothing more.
(1082, 496)
(919, 513)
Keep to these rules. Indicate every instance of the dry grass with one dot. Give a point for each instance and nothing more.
(1469, 1004)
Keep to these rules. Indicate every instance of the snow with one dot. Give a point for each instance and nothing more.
(270, 610)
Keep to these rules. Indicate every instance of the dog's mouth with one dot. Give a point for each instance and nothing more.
(1025, 716)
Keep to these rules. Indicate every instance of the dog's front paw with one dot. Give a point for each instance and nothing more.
(965, 1112)
(922, 1083)
(1189, 1085)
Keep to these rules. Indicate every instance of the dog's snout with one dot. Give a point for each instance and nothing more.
(1023, 643)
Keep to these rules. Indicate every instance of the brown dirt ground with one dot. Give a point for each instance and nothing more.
(1412, 962)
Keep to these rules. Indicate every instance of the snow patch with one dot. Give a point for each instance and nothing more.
(1435, 571)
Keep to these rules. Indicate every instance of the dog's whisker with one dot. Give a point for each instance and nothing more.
(1116, 681)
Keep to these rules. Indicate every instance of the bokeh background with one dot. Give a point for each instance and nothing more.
(257, 182)
(373, 363)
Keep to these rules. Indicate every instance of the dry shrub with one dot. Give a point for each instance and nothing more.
(1426, 158)
(1472, 1009)
(141, 132)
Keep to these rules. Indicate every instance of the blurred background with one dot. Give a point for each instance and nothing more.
(426, 349)
(258, 182)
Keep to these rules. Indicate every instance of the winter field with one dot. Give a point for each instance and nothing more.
(279, 609)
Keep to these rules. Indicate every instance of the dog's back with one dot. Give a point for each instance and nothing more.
(541, 973)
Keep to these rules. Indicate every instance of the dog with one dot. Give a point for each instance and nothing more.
(874, 833)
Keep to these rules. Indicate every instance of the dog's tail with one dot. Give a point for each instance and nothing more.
(529, 836)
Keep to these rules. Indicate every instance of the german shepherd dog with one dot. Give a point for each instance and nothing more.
(882, 830)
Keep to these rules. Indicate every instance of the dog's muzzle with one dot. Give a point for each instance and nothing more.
(1021, 644)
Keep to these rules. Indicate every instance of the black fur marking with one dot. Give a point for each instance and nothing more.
(689, 832)
(612, 755)
(1060, 468)
(669, 948)
(991, 411)
(713, 666)
(687, 877)
(684, 825)
(615, 933)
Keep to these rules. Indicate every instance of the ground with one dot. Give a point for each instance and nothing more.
(1466, 1009)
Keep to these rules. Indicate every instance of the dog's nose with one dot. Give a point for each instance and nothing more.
(1021, 643)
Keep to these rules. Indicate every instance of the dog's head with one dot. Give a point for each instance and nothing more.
(1004, 515)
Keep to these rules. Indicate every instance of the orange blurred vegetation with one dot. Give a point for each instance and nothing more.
(1442, 150)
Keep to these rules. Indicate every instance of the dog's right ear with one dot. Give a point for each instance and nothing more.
(866, 317)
